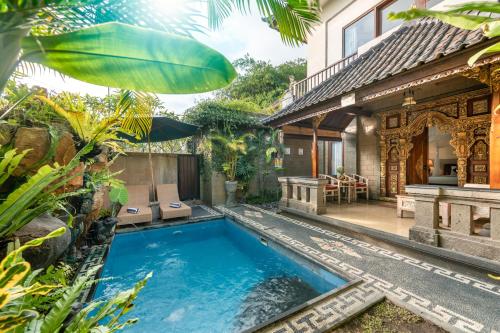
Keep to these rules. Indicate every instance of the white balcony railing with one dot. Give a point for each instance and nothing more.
(302, 87)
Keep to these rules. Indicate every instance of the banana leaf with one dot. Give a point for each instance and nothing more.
(128, 57)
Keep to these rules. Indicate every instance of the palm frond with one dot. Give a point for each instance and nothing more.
(294, 19)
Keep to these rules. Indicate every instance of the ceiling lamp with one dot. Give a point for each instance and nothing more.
(409, 99)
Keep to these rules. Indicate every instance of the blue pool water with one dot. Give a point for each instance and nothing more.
(210, 276)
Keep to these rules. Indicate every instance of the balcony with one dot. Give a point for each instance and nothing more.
(300, 88)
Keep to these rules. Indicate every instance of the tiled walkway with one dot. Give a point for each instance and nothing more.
(372, 214)
(464, 303)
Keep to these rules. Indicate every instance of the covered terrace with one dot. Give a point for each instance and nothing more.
(409, 111)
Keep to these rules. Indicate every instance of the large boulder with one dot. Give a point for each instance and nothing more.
(65, 149)
(35, 138)
(46, 254)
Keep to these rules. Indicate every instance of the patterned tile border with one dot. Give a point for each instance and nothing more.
(93, 261)
(439, 315)
(328, 313)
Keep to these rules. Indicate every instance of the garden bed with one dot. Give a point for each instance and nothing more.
(388, 318)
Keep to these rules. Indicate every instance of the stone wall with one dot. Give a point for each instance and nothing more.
(136, 170)
(368, 154)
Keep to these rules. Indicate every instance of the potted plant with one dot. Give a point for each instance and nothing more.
(233, 148)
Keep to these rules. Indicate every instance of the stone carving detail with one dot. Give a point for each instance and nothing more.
(449, 115)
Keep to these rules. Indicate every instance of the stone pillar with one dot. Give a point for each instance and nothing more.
(426, 215)
(461, 218)
(285, 192)
(495, 223)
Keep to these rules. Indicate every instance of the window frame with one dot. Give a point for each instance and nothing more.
(352, 23)
(377, 9)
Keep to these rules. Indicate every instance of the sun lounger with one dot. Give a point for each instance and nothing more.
(138, 197)
(167, 194)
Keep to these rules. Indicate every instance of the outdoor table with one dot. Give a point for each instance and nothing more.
(347, 185)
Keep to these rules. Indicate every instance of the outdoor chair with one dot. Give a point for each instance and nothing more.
(332, 189)
(166, 194)
(138, 197)
(361, 185)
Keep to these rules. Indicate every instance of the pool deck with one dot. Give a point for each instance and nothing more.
(444, 294)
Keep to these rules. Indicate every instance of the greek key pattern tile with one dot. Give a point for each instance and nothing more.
(438, 313)
(329, 312)
(488, 287)
(94, 259)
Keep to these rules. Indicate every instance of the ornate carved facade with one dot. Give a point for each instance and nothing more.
(464, 117)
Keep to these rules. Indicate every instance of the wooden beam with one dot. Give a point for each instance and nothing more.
(314, 149)
(495, 140)
(297, 130)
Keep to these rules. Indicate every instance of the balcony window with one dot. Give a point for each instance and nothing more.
(358, 33)
(394, 6)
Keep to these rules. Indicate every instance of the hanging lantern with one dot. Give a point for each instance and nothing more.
(409, 98)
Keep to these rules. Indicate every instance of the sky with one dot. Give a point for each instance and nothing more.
(237, 36)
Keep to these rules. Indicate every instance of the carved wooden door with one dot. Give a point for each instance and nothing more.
(416, 166)
(478, 163)
(392, 172)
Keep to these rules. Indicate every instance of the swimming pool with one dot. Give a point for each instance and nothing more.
(213, 276)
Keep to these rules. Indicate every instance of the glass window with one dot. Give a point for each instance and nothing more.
(336, 156)
(359, 33)
(395, 6)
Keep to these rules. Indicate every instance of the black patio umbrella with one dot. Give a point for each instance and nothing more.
(163, 129)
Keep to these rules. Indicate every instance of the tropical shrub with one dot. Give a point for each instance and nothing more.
(261, 83)
(130, 115)
(232, 148)
(38, 194)
(224, 116)
(19, 308)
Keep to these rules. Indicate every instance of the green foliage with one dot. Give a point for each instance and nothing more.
(37, 195)
(261, 83)
(223, 116)
(21, 107)
(59, 275)
(9, 163)
(118, 195)
(232, 149)
(128, 57)
(130, 115)
(266, 196)
(459, 16)
(294, 19)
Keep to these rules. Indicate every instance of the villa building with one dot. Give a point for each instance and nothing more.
(397, 104)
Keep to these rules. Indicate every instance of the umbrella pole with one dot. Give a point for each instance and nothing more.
(151, 169)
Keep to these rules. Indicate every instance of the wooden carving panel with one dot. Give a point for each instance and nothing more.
(478, 163)
(392, 183)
